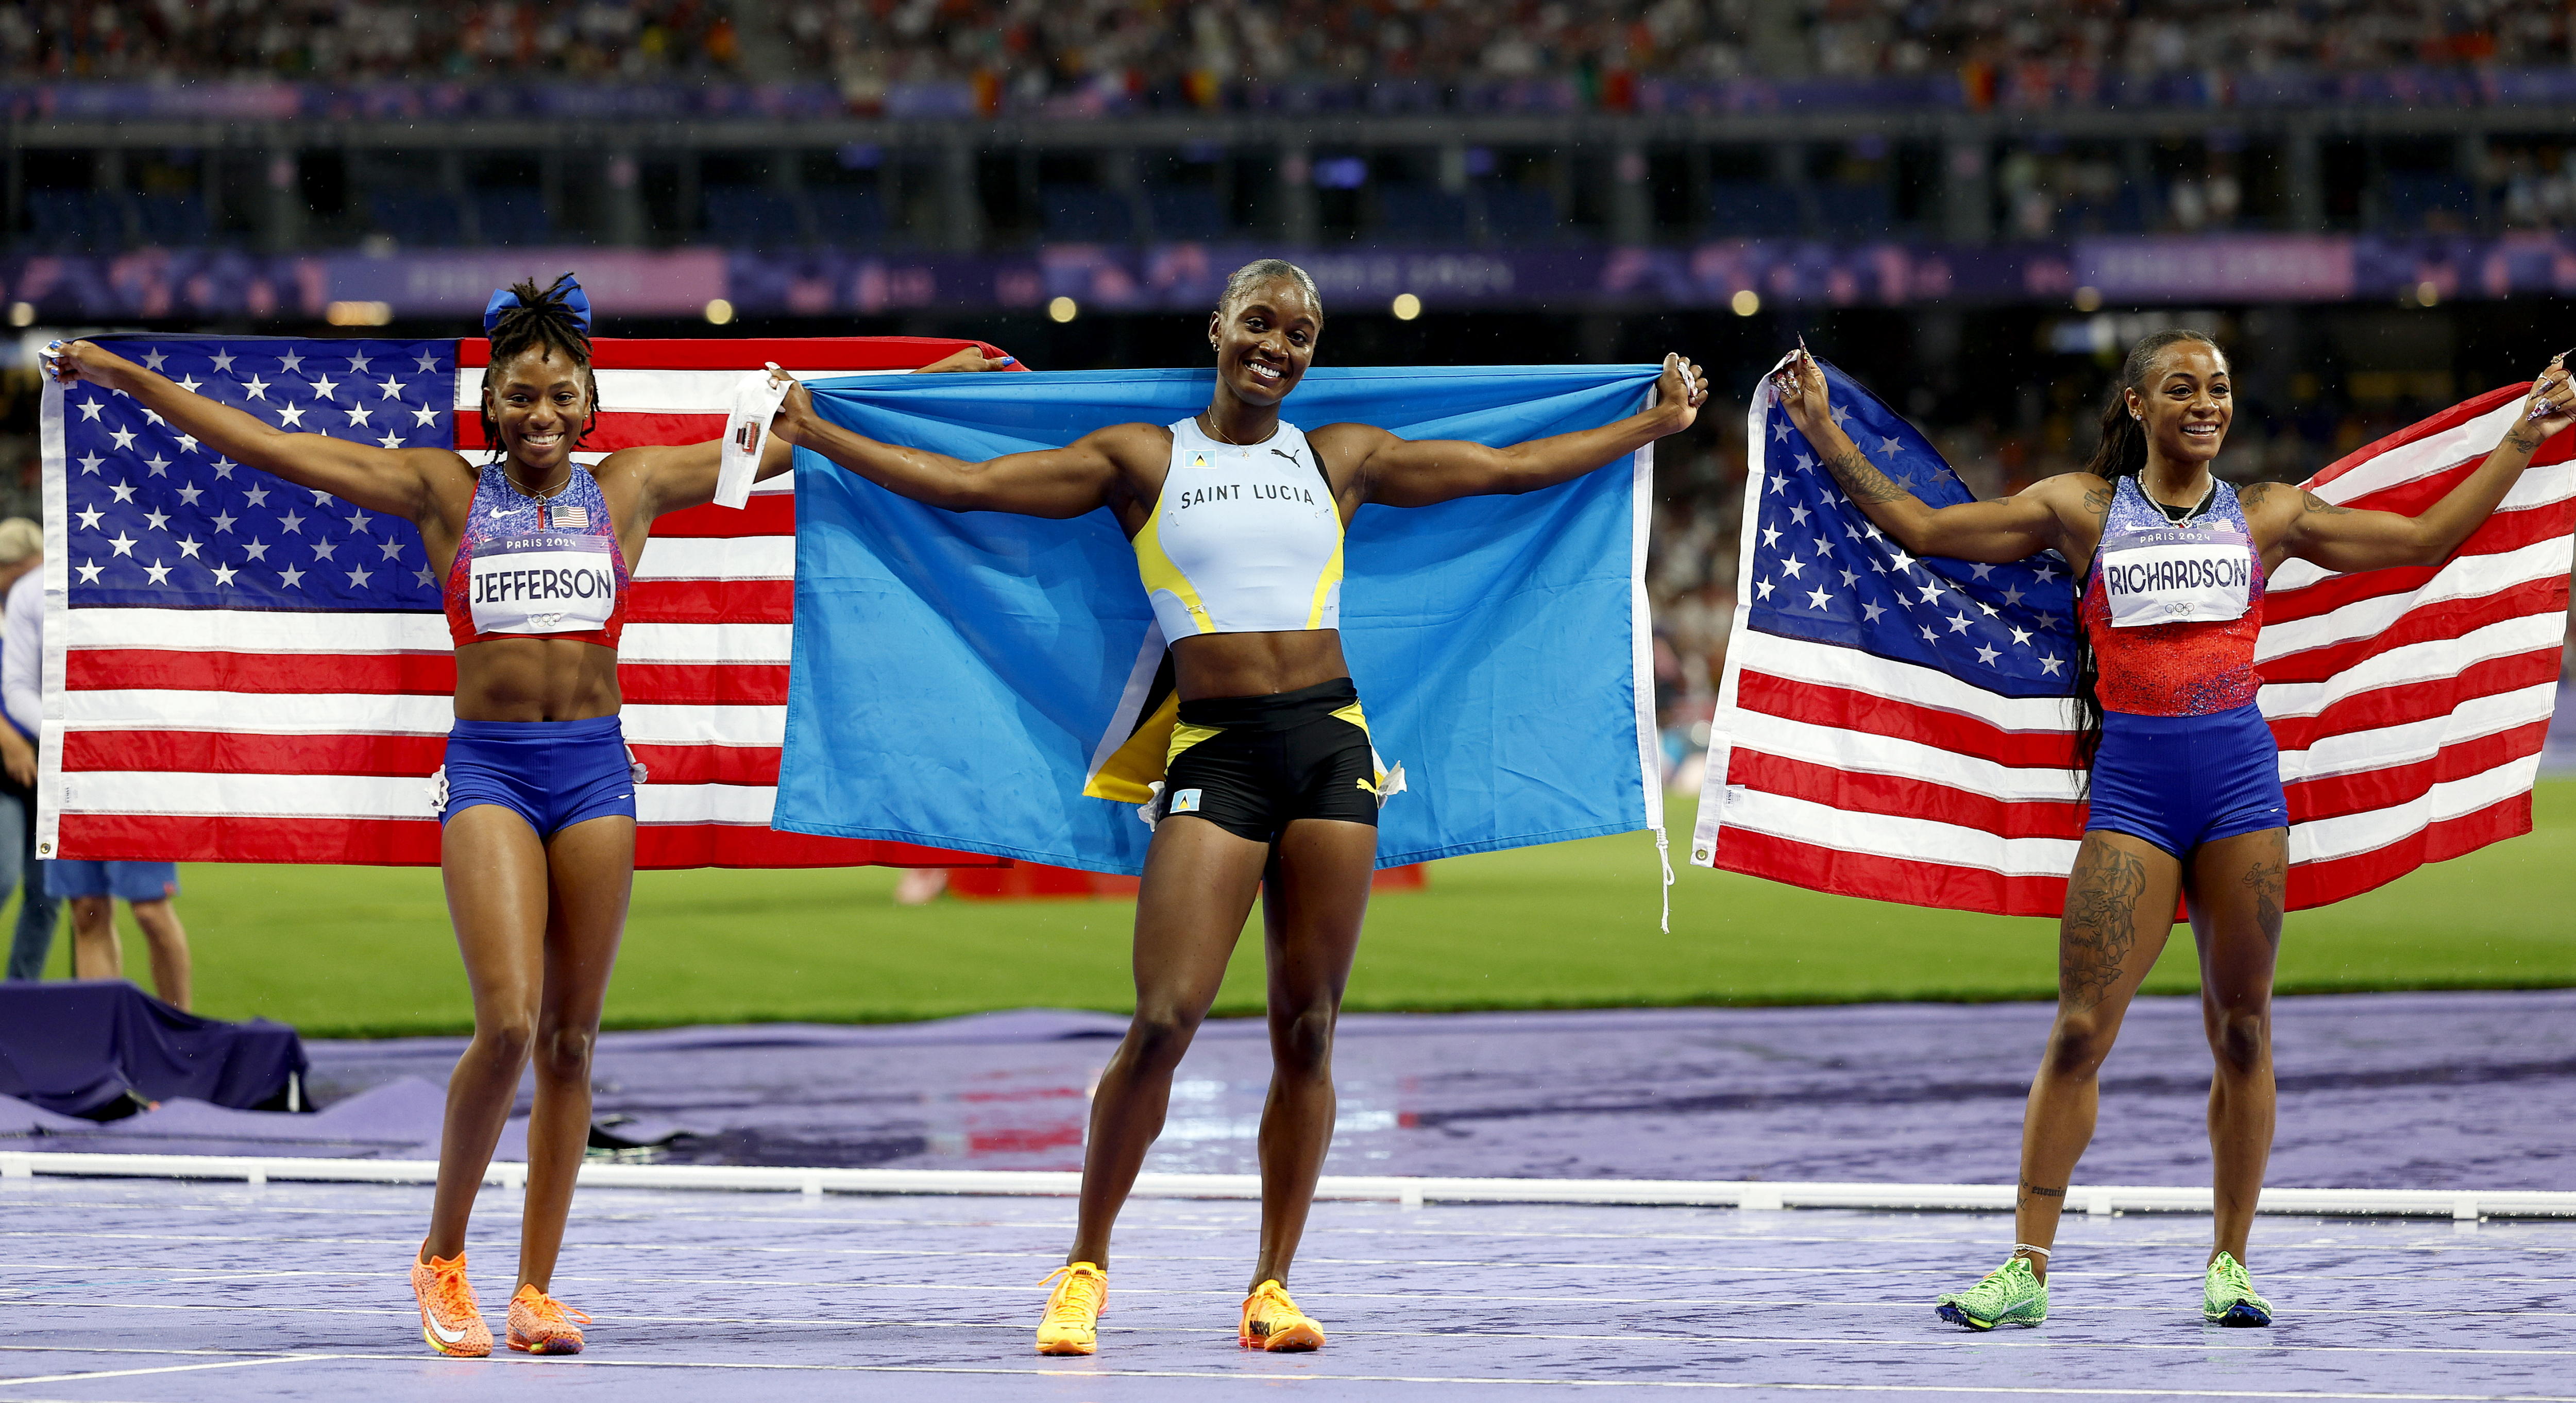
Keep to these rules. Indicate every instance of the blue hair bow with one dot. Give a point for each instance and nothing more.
(574, 300)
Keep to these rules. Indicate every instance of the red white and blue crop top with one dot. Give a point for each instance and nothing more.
(547, 567)
(2172, 607)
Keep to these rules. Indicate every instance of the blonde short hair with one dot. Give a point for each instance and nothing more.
(19, 538)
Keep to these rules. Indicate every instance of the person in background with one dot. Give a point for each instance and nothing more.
(22, 551)
(92, 887)
(150, 891)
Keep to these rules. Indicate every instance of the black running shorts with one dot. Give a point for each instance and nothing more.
(1253, 765)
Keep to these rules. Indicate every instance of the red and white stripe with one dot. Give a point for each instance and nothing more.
(265, 736)
(2410, 705)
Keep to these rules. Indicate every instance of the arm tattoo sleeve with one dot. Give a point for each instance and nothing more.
(2320, 504)
(2101, 925)
(1861, 478)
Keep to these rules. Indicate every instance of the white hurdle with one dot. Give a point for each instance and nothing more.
(2460, 1205)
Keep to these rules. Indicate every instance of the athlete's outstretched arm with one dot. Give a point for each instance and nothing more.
(2342, 539)
(1055, 482)
(1997, 532)
(1400, 472)
(394, 481)
(684, 475)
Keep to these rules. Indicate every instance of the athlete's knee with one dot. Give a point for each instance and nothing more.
(563, 1054)
(506, 1034)
(1159, 1034)
(1301, 1042)
(2079, 1043)
(2240, 1038)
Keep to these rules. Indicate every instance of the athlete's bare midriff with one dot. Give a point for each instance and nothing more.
(1211, 665)
(535, 679)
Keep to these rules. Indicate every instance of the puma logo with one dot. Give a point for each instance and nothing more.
(1288, 453)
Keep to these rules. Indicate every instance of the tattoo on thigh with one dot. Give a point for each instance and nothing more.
(2268, 881)
(2101, 924)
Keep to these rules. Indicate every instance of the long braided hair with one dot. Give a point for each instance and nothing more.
(543, 321)
(2122, 453)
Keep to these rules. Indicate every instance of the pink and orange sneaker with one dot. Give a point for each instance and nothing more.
(450, 1319)
(540, 1324)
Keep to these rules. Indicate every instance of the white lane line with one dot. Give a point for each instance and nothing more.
(807, 1220)
(161, 1369)
(739, 1283)
(1272, 1379)
(1911, 1342)
(810, 1250)
(1490, 1381)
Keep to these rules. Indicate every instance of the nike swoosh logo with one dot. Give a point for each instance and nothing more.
(445, 1335)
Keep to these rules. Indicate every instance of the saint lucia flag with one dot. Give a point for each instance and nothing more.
(995, 683)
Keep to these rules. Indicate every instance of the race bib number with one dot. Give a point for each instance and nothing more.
(543, 584)
(2177, 577)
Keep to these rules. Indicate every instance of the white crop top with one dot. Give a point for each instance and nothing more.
(1244, 539)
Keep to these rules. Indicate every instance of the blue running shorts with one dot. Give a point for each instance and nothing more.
(554, 774)
(126, 881)
(2181, 781)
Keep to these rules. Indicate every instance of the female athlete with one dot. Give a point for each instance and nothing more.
(2185, 784)
(1237, 520)
(538, 806)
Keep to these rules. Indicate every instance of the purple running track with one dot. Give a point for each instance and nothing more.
(170, 1292)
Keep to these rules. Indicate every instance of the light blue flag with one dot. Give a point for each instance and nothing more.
(957, 677)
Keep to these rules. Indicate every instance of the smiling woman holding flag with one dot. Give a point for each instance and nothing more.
(2185, 790)
(537, 798)
(1237, 519)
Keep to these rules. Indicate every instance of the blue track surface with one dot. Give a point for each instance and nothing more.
(155, 1292)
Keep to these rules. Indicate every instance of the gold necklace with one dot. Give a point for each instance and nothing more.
(547, 496)
(1209, 424)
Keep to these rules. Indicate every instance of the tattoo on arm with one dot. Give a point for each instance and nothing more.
(2101, 925)
(1861, 478)
(2268, 880)
(2523, 437)
(2320, 504)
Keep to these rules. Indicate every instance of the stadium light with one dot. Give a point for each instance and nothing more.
(2088, 299)
(358, 313)
(1746, 302)
(22, 314)
(1063, 309)
(719, 312)
(2428, 294)
(1406, 306)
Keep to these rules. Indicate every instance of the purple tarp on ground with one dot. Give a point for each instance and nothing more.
(2377, 1091)
(78, 1048)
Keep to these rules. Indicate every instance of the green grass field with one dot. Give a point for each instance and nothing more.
(353, 951)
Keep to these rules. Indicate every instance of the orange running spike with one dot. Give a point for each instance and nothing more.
(1272, 1322)
(1071, 1324)
(450, 1318)
(540, 1324)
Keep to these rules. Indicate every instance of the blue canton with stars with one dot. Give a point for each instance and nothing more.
(1822, 572)
(159, 519)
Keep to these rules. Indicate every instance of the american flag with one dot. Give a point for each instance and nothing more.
(242, 670)
(1899, 728)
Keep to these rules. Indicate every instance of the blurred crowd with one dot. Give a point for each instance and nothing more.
(1043, 45)
(357, 40)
